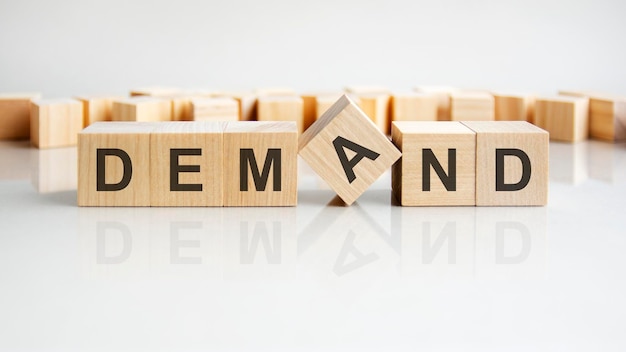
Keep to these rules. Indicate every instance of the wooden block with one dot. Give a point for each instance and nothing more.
(414, 107)
(260, 164)
(607, 115)
(214, 109)
(514, 107)
(324, 102)
(247, 104)
(315, 104)
(511, 163)
(275, 91)
(15, 115)
(155, 91)
(55, 123)
(376, 106)
(181, 107)
(438, 163)
(443, 99)
(471, 106)
(142, 109)
(186, 164)
(114, 164)
(347, 150)
(281, 108)
(565, 118)
(97, 108)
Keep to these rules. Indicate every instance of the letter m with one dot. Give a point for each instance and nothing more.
(247, 158)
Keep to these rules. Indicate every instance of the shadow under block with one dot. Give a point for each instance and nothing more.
(15, 115)
(565, 118)
(260, 164)
(510, 107)
(214, 109)
(281, 108)
(511, 163)
(414, 107)
(55, 123)
(114, 164)
(376, 106)
(438, 163)
(186, 164)
(142, 109)
(347, 150)
(443, 99)
(471, 106)
(97, 108)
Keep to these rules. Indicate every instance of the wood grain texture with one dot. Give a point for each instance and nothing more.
(418, 138)
(263, 138)
(142, 109)
(443, 99)
(133, 138)
(214, 109)
(607, 115)
(97, 108)
(514, 107)
(376, 106)
(15, 115)
(325, 101)
(566, 118)
(247, 104)
(414, 107)
(345, 119)
(471, 106)
(281, 108)
(55, 123)
(205, 138)
(532, 140)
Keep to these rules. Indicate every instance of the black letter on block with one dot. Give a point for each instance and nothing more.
(176, 168)
(246, 157)
(448, 180)
(101, 184)
(523, 157)
(361, 152)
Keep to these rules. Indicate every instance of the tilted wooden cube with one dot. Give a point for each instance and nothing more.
(114, 164)
(324, 102)
(565, 118)
(142, 109)
(55, 123)
(471, 106)
(186, 164)
(281, 108)
(214, 109)
(514, 107)
(260, 163)
(15, 115)
(438, 163)
(511, 163)
(97, 108)
(347, 150)
(414, 107)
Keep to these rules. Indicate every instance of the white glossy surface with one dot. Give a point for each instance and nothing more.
(373, 276)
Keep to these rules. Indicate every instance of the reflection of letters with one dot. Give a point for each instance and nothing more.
(341, 268)
(429, 252)
(176, 243)
(512, 227)
(249, 248)
(110, 227)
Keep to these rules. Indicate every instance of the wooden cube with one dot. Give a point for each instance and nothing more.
(376, 106)
(155, 91)
(281, 108)
(55, 123)
(15, 115)
(414, 107)
(471, 106)
(181, 107)
(443, 99)
(438, 163)
(511, 163)
(260, 163)
(97, 108)
(607, 115)
(565, 118)
(324, 102)
(214, 109)
(247, 104)
(186, 164)
(514, 107)
(142, 109)
(114, 164)
(347, 150)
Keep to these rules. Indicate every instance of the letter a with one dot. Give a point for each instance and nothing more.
(361, 152)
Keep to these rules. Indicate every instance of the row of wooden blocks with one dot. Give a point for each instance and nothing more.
(255, 163)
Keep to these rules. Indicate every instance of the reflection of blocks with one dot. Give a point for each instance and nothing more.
(414, 107)
(260, 167)
(186, 164)
(564, 117)
(376, 106)
(514, 107)
(214, 109)
(97, 108)
(114, 164)
(54, 170)
(347, 150)
(471, 106)
(438, 164)
(147, 109)
(55, 123)
(281, 108)
(15, 115)
(511, 163)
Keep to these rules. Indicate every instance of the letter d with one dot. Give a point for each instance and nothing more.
(101, 184)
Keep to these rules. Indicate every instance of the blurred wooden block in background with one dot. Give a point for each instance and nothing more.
(414, 107)
(114, 164)
(367, 89)
(186, 164)
(511, 163)
(376, 106)
(214, 109)
(514, 107)
(566, 118)
(275, 91)
(155, 91)
(142, 109)
(281, 108)
(347, 150)
(438, 163)
(607, 115)
(471, 106)
(97, 108)
(15, 115)
(324, 102)
(260, 164)
(247, 104)
(443, 99)
(55, 122)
